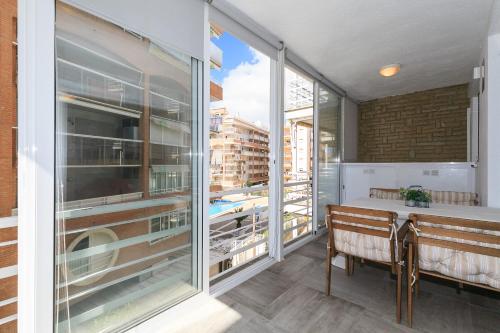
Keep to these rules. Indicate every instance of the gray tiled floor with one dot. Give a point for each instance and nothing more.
(289, 297)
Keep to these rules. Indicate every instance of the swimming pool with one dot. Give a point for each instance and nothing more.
(221, 206)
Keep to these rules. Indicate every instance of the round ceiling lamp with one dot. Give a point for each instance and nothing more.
(390, 70)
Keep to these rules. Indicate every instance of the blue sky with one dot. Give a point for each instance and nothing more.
(234, 52)
(245, 80)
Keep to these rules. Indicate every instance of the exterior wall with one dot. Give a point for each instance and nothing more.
(425, 126)
(8, 165)
(8, 96)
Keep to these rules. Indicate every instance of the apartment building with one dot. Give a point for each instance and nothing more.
(239, 151)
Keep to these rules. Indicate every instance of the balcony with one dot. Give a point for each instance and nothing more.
(92, 151)
(348, 195)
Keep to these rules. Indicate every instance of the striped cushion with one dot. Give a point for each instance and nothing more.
(472, 267)
(388, 194)
(361, 245)
(454, 198)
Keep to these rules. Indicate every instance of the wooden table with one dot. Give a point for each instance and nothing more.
(398, 206)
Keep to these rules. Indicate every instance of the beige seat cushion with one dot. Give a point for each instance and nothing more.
(472, 267)
(388, 194)
(363, 246)
(476, 268)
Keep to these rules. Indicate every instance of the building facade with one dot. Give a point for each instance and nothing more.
(8, 165)
(239, 151)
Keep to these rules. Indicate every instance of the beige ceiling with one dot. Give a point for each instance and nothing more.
(437, 42)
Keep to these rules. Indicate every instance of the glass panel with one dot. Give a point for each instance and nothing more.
(328, 151)
(126, 207)
(239, 154)
(297, 156)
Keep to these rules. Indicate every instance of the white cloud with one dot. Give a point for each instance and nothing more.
(247, 90)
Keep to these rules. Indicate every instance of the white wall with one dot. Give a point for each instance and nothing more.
(489, 115)
(350, 131)
(358, 178)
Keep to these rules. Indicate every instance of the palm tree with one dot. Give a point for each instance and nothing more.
(240, 218)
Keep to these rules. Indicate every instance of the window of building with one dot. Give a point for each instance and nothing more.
(94, 266)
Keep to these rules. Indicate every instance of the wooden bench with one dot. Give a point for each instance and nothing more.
(368, 234)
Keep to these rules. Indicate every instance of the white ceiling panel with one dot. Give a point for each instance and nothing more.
(437, 42)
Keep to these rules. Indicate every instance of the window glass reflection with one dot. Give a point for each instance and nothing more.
(125, 199)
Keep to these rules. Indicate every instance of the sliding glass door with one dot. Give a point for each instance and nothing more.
(298, 157)
(328, 150)
(240, 147)
(127, 124)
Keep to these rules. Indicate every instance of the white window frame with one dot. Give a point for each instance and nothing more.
(36, 194)
(36, 117)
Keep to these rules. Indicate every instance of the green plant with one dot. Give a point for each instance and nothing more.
(415, 195)
(424, 197)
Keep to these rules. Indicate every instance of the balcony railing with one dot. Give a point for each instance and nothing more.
(238, 228)
(87, 151)
(81, 81)
(297, 211)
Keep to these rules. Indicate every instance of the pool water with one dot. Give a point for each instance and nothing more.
(221, 206)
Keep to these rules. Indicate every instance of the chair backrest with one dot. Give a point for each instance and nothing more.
(385, 193)
(454, 197)
(369, 222)
(473, 237)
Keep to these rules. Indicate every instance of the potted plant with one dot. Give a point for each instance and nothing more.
(416, 197)
(424, 199)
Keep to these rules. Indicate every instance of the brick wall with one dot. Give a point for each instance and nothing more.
(8, 165)
(7, 107)
(425, 126)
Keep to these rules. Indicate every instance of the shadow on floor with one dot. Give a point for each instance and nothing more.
(289, 297)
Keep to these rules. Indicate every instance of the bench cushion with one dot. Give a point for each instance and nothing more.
(472, 267)
(363, 246)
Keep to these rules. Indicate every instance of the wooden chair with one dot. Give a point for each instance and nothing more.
(385, 193)
(368, 234)
(465, 251)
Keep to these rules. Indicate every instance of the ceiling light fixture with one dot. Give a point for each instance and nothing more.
(390, 70)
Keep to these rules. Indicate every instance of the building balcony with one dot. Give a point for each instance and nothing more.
(92, 151)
